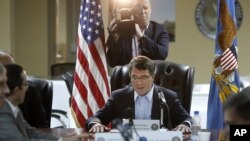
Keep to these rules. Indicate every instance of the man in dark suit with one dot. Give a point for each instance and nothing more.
(32, 108)
(142, 96)
(150, 38)
(13, 126)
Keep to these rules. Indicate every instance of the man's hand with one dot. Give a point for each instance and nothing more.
(97, 127)
(186, 131)
(112, 28)
(183, 128)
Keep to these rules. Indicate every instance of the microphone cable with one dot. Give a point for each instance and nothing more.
(126, 134)
(129, 112)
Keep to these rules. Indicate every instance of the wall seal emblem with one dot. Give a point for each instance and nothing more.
(205, 16)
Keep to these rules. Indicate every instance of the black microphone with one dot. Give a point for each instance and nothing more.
(126, 134)
(129, 114)
(164, 102)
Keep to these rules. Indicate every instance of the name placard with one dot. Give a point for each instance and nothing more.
(142, 136)
(109, 136)
(158, 136)
(145, 125)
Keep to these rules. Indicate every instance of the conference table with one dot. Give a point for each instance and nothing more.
(61, 132)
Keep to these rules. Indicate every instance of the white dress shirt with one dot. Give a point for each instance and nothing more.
(14, 108)
(143, 105)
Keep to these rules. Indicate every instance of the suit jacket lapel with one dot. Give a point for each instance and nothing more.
(128, 47)
(149, 30)
(21, 124)
(131, 102)
(19, 121)
(155, 113)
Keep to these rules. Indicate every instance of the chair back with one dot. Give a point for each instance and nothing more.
(68, 77)
(177, 77)
(45, 89)
(60, 68)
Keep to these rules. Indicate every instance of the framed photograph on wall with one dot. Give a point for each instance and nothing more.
(163, 12)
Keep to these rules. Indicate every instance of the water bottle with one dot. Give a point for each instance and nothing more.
(196, 126)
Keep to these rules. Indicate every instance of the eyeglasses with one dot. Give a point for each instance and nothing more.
(25, 84)
(142, 78)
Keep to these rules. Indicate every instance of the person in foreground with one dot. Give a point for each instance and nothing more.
(236, 110)
(142, 97)
(13, 127)
(32, 108)
(150, 39)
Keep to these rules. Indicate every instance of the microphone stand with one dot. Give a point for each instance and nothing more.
(168, 114)
(132, 126)
(164, 104)
(161, 116)
(126, 133)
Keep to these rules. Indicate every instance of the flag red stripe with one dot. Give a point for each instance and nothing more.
(231, 65)
(100, 66)
(92, 83)
(83, 92)
(229, 61)
(226, 58)
(80, 118)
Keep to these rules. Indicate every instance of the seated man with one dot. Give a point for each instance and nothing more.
(236, 109)
(142, 97)
(13, 126)
(32, 107)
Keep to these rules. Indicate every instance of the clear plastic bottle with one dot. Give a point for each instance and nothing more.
(196, 126)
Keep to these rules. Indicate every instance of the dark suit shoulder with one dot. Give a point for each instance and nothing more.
(5, 108)
(122, 91)
(157, 26)
(33, 108)
(166, 92)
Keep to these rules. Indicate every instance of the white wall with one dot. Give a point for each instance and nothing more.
(5, 25)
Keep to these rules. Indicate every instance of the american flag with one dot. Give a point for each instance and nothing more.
(91, 86)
